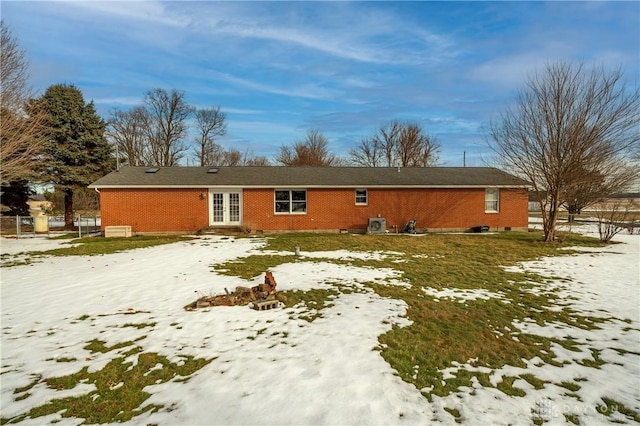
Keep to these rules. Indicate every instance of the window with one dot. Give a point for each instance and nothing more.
(291, 201)
(361, 197)
(492, 200)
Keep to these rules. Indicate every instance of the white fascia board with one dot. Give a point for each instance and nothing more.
(304, 186)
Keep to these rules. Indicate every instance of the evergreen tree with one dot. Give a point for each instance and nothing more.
(75, 152)
(14, 198)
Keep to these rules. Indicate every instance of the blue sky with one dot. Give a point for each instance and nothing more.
(279, 69)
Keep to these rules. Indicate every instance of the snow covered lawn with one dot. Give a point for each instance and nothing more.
(275, 367)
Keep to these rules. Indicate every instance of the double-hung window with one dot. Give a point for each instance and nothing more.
(290, 201)
(492, 200)
(361, 197)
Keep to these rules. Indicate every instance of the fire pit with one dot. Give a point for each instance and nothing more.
(262, 296)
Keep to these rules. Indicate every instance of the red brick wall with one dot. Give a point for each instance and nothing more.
(155, 210)
(166, 210)
(432, 208)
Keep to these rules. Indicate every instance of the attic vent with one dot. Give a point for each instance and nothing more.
(213, 170)
(152, 170)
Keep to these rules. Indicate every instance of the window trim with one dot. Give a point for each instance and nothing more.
(366, 197)
(290, 201)
(496, 200)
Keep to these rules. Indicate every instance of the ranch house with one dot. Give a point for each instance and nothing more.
(280, 199)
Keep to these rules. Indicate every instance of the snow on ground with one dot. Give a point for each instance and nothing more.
(605, 283)
(461, 295)
(15, 246)
(272, 367)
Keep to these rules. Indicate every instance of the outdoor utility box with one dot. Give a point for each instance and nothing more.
(377, 225)
(480, 228)
(40, 224)
(117, 231)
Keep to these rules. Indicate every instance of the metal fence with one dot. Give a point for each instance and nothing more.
(30, 226)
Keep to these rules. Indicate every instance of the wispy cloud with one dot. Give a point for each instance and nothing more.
(309, 91)
(344, 68)
(150, 12)
(119, 101)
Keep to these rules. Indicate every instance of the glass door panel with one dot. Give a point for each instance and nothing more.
(218, 207)
(234, 207)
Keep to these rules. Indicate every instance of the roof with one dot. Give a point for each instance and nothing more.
(308, 177)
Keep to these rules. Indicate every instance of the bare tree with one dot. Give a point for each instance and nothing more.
(313, 151)
(397, 145)
(566, 127)
(367, 153)
(168, 113)
(249, 159)
(210, 122)
(128, 131)
(591, 186)
(614, 216)
(21, 126)
(416, 149)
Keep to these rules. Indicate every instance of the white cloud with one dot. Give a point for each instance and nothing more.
(149, 11)
(119, 100)
(309, 90)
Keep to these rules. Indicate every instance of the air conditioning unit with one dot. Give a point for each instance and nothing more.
(377, 225)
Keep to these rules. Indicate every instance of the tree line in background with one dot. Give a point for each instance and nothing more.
(154, 134)
(572, 133)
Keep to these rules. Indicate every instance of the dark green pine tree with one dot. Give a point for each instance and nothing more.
(75, 152)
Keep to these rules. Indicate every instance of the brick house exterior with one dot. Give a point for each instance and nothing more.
(187, 199)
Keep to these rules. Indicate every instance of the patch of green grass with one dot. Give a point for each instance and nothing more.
(568, 343)
(455, 413)
(596, 363)
(573, 387)
(101, 245)
(252, 266)
(98, 346)
(625, 352)
(66, 236)
(11, 263)
(572, 419)
(22, 397)
(35, 381)
(119, 394)
(92, 246)
(314, 300)
(65, 359)
(612, 406)
(139, 325)
(534, 381)
(506, 386)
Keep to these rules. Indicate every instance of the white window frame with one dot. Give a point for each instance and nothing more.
(492, 200)
(366, 197)
(290, 201)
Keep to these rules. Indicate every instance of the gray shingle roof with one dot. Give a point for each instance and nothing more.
(283, 177)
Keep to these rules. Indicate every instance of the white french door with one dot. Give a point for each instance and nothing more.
(225, 207)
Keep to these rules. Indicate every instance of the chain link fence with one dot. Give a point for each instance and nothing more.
(30, 226)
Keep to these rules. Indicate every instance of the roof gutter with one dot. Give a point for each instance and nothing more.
(96, 187)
